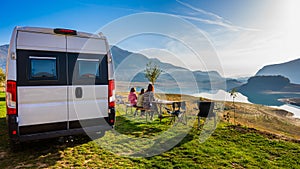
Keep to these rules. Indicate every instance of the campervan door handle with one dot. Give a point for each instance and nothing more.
(78, 92)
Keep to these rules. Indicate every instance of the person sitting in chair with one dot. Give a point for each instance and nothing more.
(140, 101)
(148, 99)
(132, 98)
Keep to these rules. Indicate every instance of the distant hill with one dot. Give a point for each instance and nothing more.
(3, 55)
(289, 69)
(130, 67)
(265, 83)
(267, 90)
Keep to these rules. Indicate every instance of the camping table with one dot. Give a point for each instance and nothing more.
(160, 103)
(177, 107)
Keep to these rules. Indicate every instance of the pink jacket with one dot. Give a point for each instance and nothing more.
(132, 98)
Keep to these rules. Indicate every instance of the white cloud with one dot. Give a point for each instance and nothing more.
(202, 11)
(214, 18)
(218, 23)
(242, 50)
(249, 52)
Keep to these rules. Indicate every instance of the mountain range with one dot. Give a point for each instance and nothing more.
(289, 69)
(269, 90)
(130, 67)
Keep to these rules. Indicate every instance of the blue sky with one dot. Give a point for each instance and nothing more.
(246, 35)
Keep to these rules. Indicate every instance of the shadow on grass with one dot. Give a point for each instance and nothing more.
(164, 144)
(172, 138)
(35, 154)
(138, 128)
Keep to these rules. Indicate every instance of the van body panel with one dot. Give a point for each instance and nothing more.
(84, 45)
(11, 62)
(51, 31)
(35, 29)
(11, 66)
(42, 104)
(59, 133)
(92, 104)
(109, 61)
(41, 41)
(59, 83)
(34, 66)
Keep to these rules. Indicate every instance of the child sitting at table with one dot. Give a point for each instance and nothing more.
(140, 101)
(132, 98)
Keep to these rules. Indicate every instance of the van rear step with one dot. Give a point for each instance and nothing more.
(45, 135)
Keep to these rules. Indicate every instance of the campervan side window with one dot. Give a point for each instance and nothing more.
(43, 68)
(88, 68)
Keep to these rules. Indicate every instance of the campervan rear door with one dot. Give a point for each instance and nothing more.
(41, 82)
(88, 79)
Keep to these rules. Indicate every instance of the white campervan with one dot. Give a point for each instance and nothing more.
(59, 83)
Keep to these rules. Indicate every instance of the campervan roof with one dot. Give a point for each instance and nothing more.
(51, 31)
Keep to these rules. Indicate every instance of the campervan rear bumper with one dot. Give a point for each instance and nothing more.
(52, 134)
(92, 127)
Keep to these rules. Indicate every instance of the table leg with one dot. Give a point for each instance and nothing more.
(160, 113)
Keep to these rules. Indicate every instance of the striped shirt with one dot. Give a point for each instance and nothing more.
(148, 98)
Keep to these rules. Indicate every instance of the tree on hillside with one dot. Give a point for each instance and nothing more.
(2, 77)
(152, 72)
(233, 94)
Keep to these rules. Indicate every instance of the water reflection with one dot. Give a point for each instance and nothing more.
(268, 99)
(290, 108)
(222, 95)
(256, 98)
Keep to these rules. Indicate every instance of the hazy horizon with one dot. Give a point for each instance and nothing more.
(240, 40)
(167, 61)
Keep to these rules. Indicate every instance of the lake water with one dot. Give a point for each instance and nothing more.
(222, 95)
(291, 108)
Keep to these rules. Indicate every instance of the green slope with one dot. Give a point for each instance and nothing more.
(228, 147)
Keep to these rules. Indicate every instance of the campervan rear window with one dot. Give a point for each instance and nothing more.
(43, 68)
(88, 68)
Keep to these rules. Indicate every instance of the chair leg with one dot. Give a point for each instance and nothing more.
(184, 119)
(179, 119)
(176, 122)
(215, 122)
(135, 113)
(151, 115)
(172, 119)
(199, 122)
(143, 112)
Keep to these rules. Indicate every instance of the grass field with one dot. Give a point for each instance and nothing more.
(228, 147)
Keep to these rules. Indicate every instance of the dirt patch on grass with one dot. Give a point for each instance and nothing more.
(263, 118)
(2, 154)
(244, 130)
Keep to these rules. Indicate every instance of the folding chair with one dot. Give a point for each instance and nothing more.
(178, 111)
(129, 106)
(206, 111)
